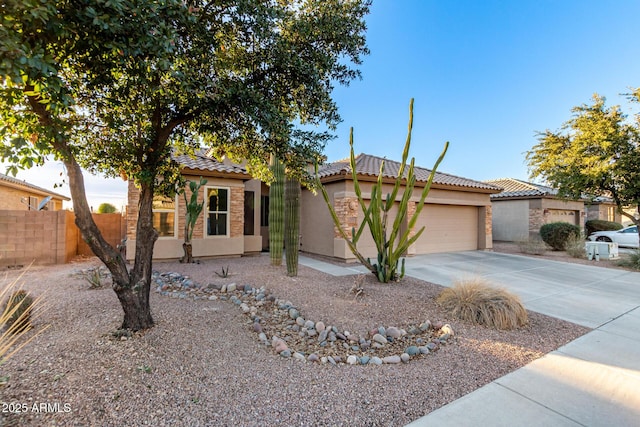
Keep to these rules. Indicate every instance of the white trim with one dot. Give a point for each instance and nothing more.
(207, 212)
(175, 219)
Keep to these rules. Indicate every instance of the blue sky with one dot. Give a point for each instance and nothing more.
(485, 75)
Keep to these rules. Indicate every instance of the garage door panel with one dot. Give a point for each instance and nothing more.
(562, 215)
(448, 228)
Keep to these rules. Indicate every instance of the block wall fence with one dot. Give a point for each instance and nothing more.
(49, 237)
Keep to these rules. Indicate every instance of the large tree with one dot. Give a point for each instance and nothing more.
(115, 86)
(595, 153)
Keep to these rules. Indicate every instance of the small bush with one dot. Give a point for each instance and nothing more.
(533, 246)
(576, 247)
(558, 234)
(594, 225)
(631, 260)
(18, 311)
(19, 308)
(477, 301)
(107, 208)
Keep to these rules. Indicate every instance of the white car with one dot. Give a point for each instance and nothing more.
(627, 236)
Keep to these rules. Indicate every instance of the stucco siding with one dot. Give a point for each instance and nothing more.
(510, 220)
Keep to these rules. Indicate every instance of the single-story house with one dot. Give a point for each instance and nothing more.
(523, 207)
(229, 224)
(457, 211)
(19, 195)
(457, 214)
(603, 207)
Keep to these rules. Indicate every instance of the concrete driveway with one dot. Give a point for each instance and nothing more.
(586, 295)
(592, 381)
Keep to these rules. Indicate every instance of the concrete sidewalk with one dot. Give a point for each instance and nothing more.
(592, 381)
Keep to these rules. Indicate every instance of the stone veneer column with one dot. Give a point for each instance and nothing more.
(411, 211)
(536, 220)
(347, 211)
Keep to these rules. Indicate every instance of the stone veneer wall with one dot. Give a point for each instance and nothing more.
(236, 213)
(536, 220)
(347, 211)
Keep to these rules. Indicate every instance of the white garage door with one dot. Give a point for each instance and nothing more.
(448, 228)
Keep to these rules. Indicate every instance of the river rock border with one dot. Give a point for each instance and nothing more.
(280, 325)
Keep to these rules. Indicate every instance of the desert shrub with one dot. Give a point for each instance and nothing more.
(594, 225)
(575, 247)
(558, 234)
(18, 310)
(533, 246)
(107, 208)
(631, 260)
(477, 301)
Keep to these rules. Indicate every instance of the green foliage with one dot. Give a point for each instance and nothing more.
(559, 234)
(594, 225)
(193, 207)
(276, 211)
(477, 301)
(118, 86)
(597, 152)
(107, 208)
(292, 224)
(391, 242)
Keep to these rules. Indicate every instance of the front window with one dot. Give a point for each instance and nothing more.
(631, 230)
(611, 213)
(164, 216)
(217, 211)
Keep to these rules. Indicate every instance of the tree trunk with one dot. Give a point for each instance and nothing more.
(132, 288)
(187, 258)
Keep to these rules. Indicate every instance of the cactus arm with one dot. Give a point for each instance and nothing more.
(427, 187)
(336, 221)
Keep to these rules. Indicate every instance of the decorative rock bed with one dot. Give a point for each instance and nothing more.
(280, 325)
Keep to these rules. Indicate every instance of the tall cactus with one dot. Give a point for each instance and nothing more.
(276, 211)
(391, 244)
(292, 194)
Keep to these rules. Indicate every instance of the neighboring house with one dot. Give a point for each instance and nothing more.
(21, 196)
(523, 207)
(457, 213)
(602, 207)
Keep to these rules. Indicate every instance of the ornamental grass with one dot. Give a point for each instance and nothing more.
(478, 301)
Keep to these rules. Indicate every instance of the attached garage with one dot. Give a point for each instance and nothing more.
(457, 212)
(563, 215)
(521, 208)
(448, 228)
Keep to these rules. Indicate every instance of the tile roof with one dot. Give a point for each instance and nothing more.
(18, 182)
(515, 188)
(201, 161)
(369, 165)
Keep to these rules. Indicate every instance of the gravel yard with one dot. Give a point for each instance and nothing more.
(203, 364)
